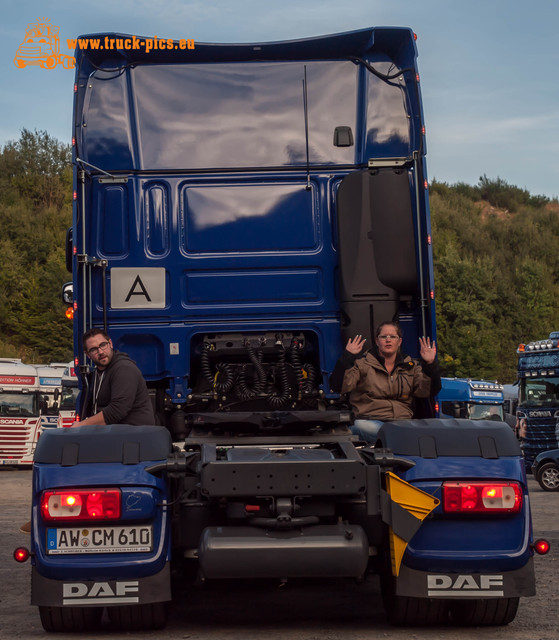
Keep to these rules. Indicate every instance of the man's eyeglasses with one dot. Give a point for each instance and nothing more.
(95, 350)
(387, 337)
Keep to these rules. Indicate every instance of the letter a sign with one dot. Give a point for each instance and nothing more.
(142, 288)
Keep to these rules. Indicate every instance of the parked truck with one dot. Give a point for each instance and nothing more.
(472, 399)
(68, 396)
(20, 418)
(538, 396)
(240, 211)
(50, 386)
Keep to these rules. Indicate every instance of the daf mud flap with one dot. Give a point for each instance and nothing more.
(454, 586)
(100, 593)
(340, 551)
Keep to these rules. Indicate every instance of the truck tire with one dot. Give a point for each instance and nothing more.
(70, 619)
(548, 477)
(404, 611)
(486, 612)
(407, 611)
(145, 617)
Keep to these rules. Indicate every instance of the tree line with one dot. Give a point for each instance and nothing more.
(496, 259)
(495, 246)
(35, 211)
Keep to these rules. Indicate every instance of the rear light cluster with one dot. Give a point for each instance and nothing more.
(482, 497)
(82, 504)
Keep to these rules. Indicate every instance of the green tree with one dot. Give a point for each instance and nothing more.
(496, 253)
(35, 211)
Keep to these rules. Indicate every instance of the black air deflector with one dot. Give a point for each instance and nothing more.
(125, 444)
(437, 437)
(377, 248)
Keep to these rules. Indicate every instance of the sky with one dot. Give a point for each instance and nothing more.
(489, 69)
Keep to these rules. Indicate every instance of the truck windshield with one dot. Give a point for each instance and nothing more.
(539, 392)
(18, 404)
(485, 412)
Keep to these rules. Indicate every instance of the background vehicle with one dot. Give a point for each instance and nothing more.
(231, 246)
(68, 396)
(50, 386)
(510, 392)
(19, 412)
(538, 396)
(472, 399)
(546, 470)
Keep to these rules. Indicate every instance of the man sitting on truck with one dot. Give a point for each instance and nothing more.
(383, 382)
(117, 390)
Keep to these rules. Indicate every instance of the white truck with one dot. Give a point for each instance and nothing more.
(50, 387)
(20, 419)
(68, 397)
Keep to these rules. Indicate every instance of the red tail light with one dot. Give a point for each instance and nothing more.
(21, 554)
(482, 497)
(83, 504)
(541, 546)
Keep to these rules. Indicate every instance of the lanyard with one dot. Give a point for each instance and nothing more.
(97, 382)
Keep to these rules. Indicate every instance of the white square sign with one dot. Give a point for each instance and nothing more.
(137, 288)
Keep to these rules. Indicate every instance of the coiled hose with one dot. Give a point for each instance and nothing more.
(279, 398)
(243, 389)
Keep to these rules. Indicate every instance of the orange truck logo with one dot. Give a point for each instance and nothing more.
(41, 47)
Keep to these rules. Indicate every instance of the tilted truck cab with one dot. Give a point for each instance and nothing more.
(240, 211)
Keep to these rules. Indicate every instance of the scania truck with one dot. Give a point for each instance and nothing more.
(538, 396)
(20, 418)
(240, 211)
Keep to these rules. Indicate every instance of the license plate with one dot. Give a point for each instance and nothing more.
(99, 540)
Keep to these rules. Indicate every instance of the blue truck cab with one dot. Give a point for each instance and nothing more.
(538, 396)
(471, 399)
(240, 211)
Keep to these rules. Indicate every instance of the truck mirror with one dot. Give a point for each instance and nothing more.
(68, 293)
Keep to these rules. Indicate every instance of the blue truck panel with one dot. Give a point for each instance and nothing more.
(201, 216)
